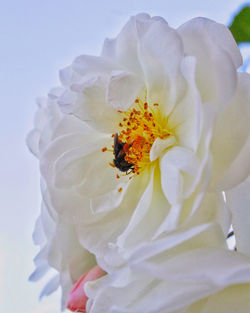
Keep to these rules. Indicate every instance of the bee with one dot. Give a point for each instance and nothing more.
(119, 160)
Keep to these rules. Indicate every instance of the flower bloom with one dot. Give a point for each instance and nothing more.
(139, 143)
(153, 131)
(77, 298)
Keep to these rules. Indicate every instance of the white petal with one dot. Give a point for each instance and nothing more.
(124, 48)
(110, 200)
(123, 89)
(231, 140)
(160, 52)
(159, 146)
(219, 34)
(209, 271)
(67, 102)
(63, 144)
(69, 204)
(108, 49)
(208, 234)
(149, 48)
(70, 124)
(32, 141)
(51, 286)
(172, 163)
(97, 236)
(39, 273)
(139, 212)
(88, 64)
(99, 177)
(38, 235)
(212, 207)
(72, 166)
(187, 115)
(171, 222)
(218, 57)
(89, 104)
(171, 181)
(68, 76)
(151, 210)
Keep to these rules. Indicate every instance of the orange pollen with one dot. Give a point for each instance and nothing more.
(112, 164)
(104, 149)
(120, 189)
(144, 124)
(117, 176)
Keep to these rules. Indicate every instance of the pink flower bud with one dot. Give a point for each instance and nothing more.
(77, 298)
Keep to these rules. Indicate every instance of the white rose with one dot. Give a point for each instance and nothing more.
(180, 111)
(174, 275)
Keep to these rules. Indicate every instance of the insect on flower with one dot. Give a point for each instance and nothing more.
(120, 153)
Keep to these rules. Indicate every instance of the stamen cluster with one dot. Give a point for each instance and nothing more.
(140, 126)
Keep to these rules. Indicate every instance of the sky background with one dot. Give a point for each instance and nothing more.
(37, 38)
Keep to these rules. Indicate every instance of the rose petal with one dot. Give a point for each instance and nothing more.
(231, 140)
(217, 55)
(123, 89)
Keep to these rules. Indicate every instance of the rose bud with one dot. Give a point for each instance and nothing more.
(77, 298)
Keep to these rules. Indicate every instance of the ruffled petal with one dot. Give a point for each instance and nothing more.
(70, 145)
(150, 210)
(160, 53)
(211, 272)
(181, 239)
(231, 141)
(98, 236)
(50, 287)
(187, 115)
(123, 89)
(68, 76)
(174, 162)
(159, 146)
(217, 56)
(100, 177)
(151, 50)
(88, 102)
(86, 65)
(124, 49)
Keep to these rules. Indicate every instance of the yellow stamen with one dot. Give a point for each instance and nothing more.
(143, 125)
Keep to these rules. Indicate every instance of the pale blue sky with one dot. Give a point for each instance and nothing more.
(37, 38)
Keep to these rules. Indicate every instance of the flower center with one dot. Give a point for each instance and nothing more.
(140, 126)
